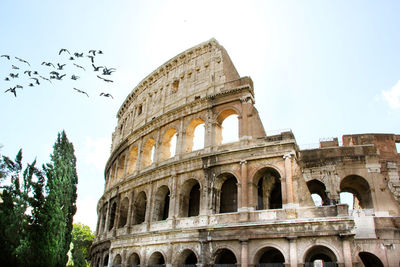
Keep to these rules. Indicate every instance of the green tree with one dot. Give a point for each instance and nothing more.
(82, 238)
(61, 199)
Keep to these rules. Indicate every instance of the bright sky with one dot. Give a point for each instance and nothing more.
(321, 68)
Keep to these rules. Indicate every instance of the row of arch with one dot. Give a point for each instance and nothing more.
(134, 210)
(152, 149)
(318, 255)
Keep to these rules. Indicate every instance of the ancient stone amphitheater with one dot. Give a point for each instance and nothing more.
(247, 202)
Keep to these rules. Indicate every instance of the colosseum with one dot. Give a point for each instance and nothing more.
(171, 199)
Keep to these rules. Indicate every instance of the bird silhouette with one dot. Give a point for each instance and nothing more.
(6, 56)
(12, 90)
(14, 67)
(44, 78)
(22, 60)
(71, 58)
(80, 91)
(31, 85)
(74, 77)
(96, 68)
(36, 79)
(79, 66)
(35, 73)
(91, 58)
(6, 79)
(78, 54)
(19, 86)
(109, 81)
(13, 75)
(107, 71)
(99, 52)
(60, 67)
(57, 77)
(63, 50)
(93, 52)
(107, 95)
(28, 72)
(48, 64)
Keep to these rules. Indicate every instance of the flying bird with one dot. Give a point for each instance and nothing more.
(6, 79)
(78, 54)
(60, 67)
(109, 81)
(12, 90)
(37, 80)
(31, 85)
(22, 60)
(13, 75)
(57, 77)
(28, 72)
(107, 95)
(63, 50)
(14, 67)
(19, 86)
(35, 73)
(80, 91)
(79, 66)
(44, 78)
(71, 58)
(96, 68)
(54, 73)
(100, 52)
(108, 71)
(74, 77)
(91, 58)
(93, 52)
(48, 64)
(6, 56)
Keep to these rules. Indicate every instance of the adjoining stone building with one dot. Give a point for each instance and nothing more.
(246, 202)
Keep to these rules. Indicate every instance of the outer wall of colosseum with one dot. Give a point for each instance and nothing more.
(246, 202)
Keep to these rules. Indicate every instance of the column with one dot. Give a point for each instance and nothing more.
(288, 174)
(347, 251)
(180, 139)
(129, 219)
(292, 250)
(244, 255)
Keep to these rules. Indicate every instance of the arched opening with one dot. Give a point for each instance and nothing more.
(133, 260)
(190, 199)
(269, 257)
(112, 216)
(227, 127)
(105, 262)
(98, 263)
(320, 256)
(187, 259)
(168, 144)
(318, 192)
(228, 194)
(360, 189)
(148, 152)
(225, 257)
(194, 137)
(121, 168)
(132, 160)
(156, 259)
(269, 193)
(123, 212)
(350, 199)
(370, 260)
(117, 261)
(139, 209)
(104, 218)
(113, 174)
(161, 204)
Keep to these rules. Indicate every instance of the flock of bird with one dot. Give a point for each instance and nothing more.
(23, 75)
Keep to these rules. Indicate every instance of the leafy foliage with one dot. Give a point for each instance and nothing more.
(82, 238)
(37, 208)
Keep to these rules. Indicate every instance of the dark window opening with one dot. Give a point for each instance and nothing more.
(140, 209)
(229, 196)
(166, 207)
(112, 216)
(194, 201)
(225, 256)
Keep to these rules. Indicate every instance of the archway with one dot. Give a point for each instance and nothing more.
(269, 257)
(132, 160)
(148, 152)
(156, 259)
(112, 216)
(360, 189)
(370, 260)
(133, 260)
(227, 129)
(121, 168)
(105, 262)
(320, 256)
(168, 144)
(161, 204)
(318, 188)
(194, 137)
(139, 208)
(269, 192)
(123, 212)
(190, 198)
(117, 261)
(228, 195)
(187, 259)
(225, 257)
(104, 218)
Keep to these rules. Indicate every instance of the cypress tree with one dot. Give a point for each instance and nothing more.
(60, 206)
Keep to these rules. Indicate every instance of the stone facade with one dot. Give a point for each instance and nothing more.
(246, 202)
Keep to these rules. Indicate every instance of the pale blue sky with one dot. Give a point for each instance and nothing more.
(319, 68)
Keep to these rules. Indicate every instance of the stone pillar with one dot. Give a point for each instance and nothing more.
(288, 176)
(244, 255)
(244, 182)
(180, 139)
(107, 219)
(347, 252)
(139, 155)
(292, 250)
(149, 207)
(130, 210)
(173, 207)
(209, 131)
